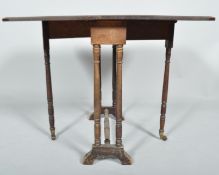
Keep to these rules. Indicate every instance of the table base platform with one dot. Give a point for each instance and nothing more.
(107, 151)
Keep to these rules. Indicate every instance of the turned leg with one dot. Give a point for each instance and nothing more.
(90, 156)
(114, 79)
(119, 55)
(91, 117)
(114, 76)
(97, 93)
(100, 72)
(48, 80)
(165, 90)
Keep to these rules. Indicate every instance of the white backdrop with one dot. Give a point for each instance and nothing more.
(192, 113)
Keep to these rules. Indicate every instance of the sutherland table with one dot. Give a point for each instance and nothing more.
(113, 30)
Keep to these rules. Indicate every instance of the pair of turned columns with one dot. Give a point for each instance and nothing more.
(117, 91)
(108, 34)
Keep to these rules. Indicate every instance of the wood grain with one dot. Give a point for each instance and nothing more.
(108, 35)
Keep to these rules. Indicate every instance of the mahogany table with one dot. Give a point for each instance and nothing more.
(113, 30)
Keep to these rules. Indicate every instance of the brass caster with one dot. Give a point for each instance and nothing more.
(163, 136)
(53, 135)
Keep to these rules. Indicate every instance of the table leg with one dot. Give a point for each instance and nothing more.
(168, 46)
(100, 72)
(119, 55)
(97, 93)
(114, 76)
(48, 80)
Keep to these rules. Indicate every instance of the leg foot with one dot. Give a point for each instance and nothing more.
(53, 135)
(162, 136)
(107, 151)
(125, 159)
(88, 159)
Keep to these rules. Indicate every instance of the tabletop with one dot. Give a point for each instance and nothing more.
(111, 17)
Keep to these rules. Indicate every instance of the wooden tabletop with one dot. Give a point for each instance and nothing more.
(111, 17)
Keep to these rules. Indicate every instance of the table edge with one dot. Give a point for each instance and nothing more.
(111, 17)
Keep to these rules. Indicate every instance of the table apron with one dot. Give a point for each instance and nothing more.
(136, 30)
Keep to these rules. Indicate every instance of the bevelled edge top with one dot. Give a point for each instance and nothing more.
(111, 17)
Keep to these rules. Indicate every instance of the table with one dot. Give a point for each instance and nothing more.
(111, 30)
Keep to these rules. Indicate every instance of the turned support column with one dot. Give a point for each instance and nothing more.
(48, 80)
(97, 93)
(119, 55)
(114, 77)
(105, 33)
